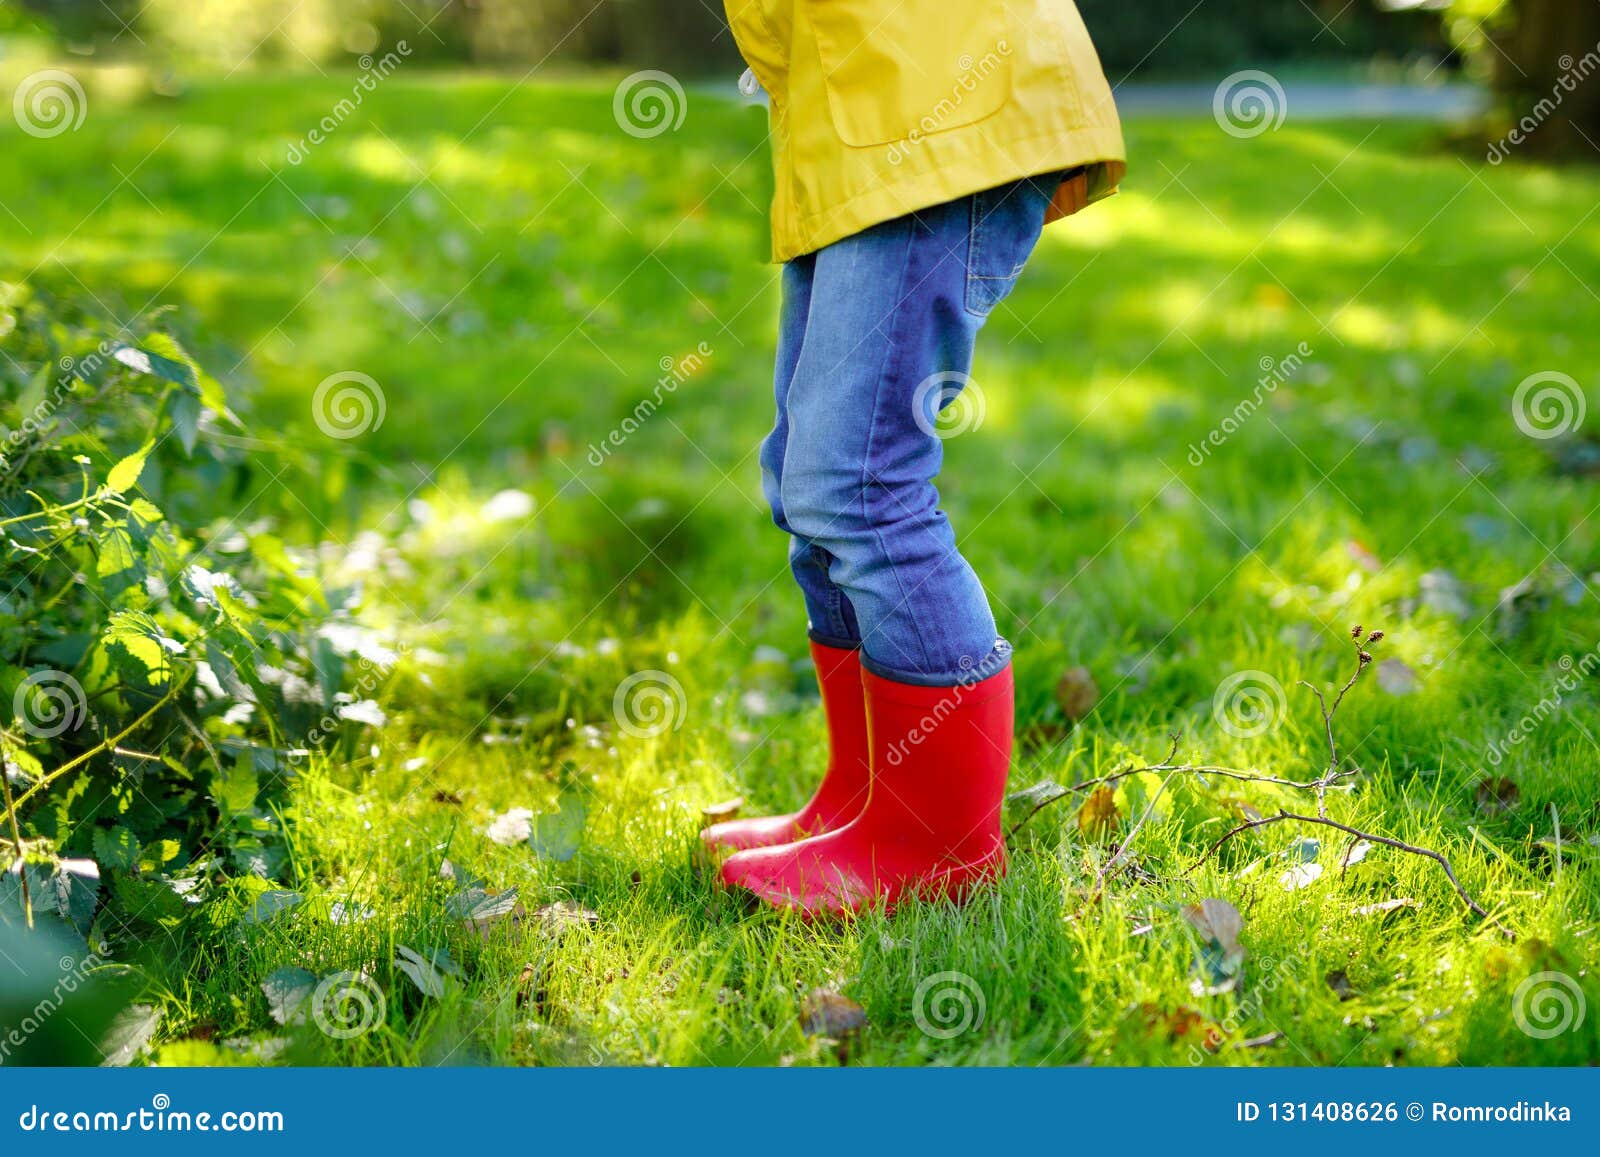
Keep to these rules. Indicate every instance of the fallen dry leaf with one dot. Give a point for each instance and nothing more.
(1098, 814)
(1077, 693)
(510, 921)
(530, 988)
(1217, 921)
(1218, 966)
(557, 918)
(1357, 852)
(1180, 1023)
(1496, 794)
(825, 1012)
(1339, 981)
(1300, 876)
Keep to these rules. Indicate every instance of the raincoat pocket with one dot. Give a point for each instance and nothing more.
(904, 69)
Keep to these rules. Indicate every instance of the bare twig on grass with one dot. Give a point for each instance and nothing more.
(1122, 848)
(1320, 785)
(1356, 833)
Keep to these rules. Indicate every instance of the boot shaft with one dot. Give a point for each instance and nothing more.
(940, 758)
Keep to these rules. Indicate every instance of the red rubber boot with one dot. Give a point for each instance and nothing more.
(843, 791)
(931, 827)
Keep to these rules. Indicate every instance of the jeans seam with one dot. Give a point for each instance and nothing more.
(872, 431)
(974, 249)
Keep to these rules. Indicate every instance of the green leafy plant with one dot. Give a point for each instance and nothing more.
(162, 671)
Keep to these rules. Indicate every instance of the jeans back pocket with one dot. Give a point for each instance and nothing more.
(1006, 223)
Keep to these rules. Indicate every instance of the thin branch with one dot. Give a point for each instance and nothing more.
(1167, 765)
(1122, 848)
(1324, 821)
(13, 807)
(1320, 785)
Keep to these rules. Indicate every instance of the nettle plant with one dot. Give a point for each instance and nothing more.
(161, 667)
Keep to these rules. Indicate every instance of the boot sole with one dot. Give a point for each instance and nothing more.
(956, 884)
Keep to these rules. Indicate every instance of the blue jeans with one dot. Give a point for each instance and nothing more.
(876, 339)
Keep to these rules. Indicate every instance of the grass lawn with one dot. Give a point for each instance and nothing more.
(517, 274)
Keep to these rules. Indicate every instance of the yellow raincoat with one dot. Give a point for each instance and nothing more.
(883, 107)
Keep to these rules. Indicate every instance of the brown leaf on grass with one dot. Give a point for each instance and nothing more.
(825, 1012)
(557, 918)
(1077, 693)
(1098, 815)
(1179, 1024)
(1260, 1042)
(1241, 807)
(530, 988)
(1217, 921)
(717, 812)
(509, 921)
(1496, 794)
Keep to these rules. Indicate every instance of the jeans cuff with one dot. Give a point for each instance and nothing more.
(837, 642)
(997, 660)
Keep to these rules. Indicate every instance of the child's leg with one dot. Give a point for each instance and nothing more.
(892, 317)
(835, 637)
(893, 314)
(832, 618)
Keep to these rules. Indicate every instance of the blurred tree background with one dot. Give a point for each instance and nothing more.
(1157, 37)
(1524, 50)
(1535, 54)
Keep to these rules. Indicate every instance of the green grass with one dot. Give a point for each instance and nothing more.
(512, 270)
